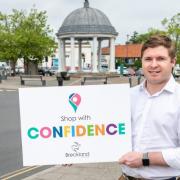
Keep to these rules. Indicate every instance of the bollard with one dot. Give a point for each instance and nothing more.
(130, 81)
(0, 78)
(139, 79)
(60, 81)
(82, 83)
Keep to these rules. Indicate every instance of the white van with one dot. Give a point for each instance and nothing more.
(6, 67)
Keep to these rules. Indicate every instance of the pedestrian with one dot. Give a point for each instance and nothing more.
(155, 108)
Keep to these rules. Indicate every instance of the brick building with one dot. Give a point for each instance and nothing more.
(128, 53)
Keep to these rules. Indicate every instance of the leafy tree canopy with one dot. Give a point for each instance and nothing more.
(25, 35)
(172, 29)
(172, 26)
(137, 38)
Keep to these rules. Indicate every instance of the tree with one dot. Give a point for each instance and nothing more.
(141, 38)
(26, 36)
(134, 38)
(9, 49)
(172, 26)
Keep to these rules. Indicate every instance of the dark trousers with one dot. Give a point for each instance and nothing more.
(125, 177)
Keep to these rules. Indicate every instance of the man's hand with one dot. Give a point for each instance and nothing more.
(132, 159)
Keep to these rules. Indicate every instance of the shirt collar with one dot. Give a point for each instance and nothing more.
(170, 85)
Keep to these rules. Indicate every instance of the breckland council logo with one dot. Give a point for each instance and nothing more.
(75, 147)
(77, 153)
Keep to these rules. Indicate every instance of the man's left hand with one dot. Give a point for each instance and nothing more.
(132, 159)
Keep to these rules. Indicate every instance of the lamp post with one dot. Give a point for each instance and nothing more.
(127, 47)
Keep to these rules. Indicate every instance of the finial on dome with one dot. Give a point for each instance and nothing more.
(86, 4)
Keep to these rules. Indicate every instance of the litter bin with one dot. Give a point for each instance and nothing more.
(60, 80)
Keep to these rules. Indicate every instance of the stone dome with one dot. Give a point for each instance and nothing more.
(86, 20)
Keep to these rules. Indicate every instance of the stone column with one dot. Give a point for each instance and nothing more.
(80, 57)
(72, 55)
(99, 55)
(112, 55)
(94, 65)
(60, 55)
(64, 54)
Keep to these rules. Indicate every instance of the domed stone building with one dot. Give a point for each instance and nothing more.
(86, 24)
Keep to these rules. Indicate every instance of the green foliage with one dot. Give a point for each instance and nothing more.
(134, 38)
(34, 38)
(138, 64)
(172, 27)
(141, 38)
(25, 35)
(173, 30)
(8, 45)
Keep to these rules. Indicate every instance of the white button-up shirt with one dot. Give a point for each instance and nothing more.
(156, 128)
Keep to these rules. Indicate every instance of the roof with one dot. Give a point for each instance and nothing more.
(86, 20)
(122, 51)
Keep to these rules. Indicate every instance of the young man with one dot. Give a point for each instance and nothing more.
(155, 116)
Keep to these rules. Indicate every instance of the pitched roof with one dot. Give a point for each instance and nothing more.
(122, 51)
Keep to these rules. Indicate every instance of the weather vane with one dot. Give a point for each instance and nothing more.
(86, 4)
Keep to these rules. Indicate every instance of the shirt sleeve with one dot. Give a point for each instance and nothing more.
(172, 157)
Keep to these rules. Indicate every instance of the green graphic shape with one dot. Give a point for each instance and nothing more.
(73, 105)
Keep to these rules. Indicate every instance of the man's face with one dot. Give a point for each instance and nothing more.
(157, 65)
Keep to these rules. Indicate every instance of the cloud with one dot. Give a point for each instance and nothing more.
(125, 15)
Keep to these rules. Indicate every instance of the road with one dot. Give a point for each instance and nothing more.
(10, 140)
(11, 166)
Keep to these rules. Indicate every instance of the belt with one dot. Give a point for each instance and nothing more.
(126, 177)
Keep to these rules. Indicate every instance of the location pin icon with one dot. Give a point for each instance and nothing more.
(75, 100)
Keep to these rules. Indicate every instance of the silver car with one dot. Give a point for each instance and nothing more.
(176, 71)
(53, 70)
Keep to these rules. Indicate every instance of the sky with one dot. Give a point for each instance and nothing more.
(126, 16)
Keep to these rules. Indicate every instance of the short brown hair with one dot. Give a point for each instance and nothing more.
(160, 40)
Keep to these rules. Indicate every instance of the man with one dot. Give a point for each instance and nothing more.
(155, 116)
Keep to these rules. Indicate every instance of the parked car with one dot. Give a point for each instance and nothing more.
(176, 71)
(6, 68)
(125, 71)
(19, 70)
(140, 72)
(104, 67)
(53, 70)
(3, 72)
(44, 71)
(85, 69)
(131, 71)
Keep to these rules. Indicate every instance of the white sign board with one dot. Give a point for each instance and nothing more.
(75, 124)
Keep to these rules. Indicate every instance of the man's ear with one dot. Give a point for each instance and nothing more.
(173, 61)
